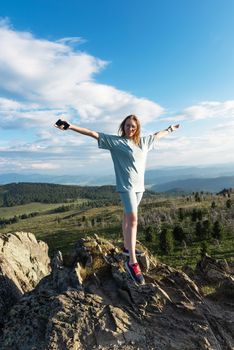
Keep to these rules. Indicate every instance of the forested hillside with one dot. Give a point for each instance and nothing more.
(177, 229)
(23, 193)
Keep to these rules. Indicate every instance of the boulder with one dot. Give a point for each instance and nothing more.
(24, 262)
(218, 272)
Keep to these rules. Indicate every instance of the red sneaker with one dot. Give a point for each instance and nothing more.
(135, 272)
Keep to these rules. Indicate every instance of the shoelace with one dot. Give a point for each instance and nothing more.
(136, 268)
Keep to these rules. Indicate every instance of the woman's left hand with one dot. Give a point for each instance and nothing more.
(174, 127)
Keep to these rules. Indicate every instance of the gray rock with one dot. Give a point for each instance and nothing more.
(90, 302)
(217, 272)
(24, 259)
(24, 262)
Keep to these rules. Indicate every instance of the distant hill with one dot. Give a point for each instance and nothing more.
(153, 177)
(23, 193)
(82, 180)
(190, 185)
(176, 180)
(27, 192)
(169, 174)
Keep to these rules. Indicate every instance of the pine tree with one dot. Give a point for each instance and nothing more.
(178, 233)
(213, 205)
(197, 197)
(194, 215)
(199, 214)
(181, 214)
(203, 249)
(198, 230)
(166, 242)
(149, 233)
(206, 231)
(229, 203)
(217, 231)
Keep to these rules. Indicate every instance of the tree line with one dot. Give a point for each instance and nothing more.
(24, 193)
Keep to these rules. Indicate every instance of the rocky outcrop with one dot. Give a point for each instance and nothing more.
(219, 273)
(89, 302)
(23, 263)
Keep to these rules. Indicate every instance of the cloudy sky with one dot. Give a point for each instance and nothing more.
(94, 62)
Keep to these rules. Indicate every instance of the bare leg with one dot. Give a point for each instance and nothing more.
(124, 229)
(130, 232)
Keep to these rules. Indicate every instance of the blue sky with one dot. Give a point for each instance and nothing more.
(96, 62)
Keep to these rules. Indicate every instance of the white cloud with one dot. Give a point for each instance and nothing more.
(215, 145)
(44, 79)
(43, 166)
(9, 105)
(42, 70)
(207, 110)
(225, 125)
(52, 75)
(17, 165)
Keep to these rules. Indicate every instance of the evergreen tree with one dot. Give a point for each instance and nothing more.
(194, 214)
(203, 249)
(217, 231)
(166, 242)
(199, 214)
(178, 233)
(197, 197)
(181, 214)
(207, 230)
(213, 205)
(203, 230)
(15, 219)
(149, 233)
(198, 230)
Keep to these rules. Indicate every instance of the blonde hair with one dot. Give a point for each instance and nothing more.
(136, 136)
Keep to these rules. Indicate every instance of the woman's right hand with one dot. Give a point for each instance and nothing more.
(62, 124)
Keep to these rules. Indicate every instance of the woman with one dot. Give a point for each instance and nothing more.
(129, 154)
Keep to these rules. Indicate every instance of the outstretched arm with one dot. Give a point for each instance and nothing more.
(84, 131)
(165, 132)
(80, 130)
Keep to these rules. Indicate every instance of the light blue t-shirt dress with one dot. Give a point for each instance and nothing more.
(129, 160)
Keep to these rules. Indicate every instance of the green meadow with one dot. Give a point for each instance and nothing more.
(195, 217)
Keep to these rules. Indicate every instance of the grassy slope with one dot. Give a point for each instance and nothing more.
(62, 230)
(8, 212)
(59, 230)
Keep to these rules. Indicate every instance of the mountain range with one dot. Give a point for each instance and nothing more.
(196, 184)
(186, 179)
